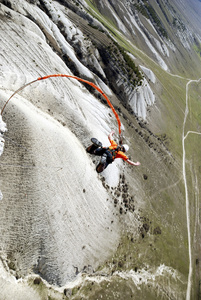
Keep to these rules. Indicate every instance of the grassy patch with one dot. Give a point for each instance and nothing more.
(148, 11)
(197, 48)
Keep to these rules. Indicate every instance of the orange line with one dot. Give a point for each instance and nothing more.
(92, 84)
(74, 77)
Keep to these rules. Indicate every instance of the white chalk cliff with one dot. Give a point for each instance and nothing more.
(59, 219)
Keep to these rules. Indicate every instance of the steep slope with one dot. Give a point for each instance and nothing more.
(37, 160)
(158, 28)
(129, 232)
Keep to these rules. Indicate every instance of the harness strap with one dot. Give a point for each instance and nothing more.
(113, 151)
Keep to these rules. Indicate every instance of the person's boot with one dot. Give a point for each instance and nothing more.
(96, 144)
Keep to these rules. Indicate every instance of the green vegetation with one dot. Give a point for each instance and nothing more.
(124, 62)
(96, 27)
(141, 9)
(148, 11)
(128, 262)
(164, 240)
(117, 50)
(197, 48)
(178, 24)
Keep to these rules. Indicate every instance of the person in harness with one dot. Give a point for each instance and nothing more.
(109, 154)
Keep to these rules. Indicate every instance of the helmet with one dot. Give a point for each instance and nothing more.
(126, 147)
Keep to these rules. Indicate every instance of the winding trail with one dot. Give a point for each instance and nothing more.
(184, 136)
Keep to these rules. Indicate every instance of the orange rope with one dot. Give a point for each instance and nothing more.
(92, 84)
(74, 77)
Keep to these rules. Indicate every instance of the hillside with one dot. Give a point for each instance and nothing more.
(129, 232)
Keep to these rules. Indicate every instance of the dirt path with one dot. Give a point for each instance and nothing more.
(188, 219)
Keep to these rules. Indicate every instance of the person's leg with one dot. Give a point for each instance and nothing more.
(106, 158)
(91, 149)
(109, 157)
(99, 151)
